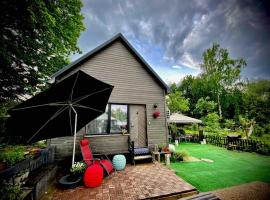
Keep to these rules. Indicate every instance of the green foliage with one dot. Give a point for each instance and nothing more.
(161, 146)
(264, 150)
(257, 101)
(4, 107)
(211, 122)
(205, 106)
(258, 130)
(119, 114)
(37, 39)
(10, 192)
(173, 127)
(78, 168)
(219, 84)
(177, 103)
(220, 71)
(179, 156)
(229, 123)
(12, 154)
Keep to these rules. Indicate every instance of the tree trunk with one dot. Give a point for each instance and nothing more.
(250, 130)
(219, 107)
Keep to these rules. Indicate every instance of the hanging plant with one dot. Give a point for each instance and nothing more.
(156, 114)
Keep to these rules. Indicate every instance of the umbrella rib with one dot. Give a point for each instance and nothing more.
(52, 117)
(90, 108)
(71, 94)
(47, 104)
(88, 95)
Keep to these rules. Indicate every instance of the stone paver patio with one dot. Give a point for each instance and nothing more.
(143, 181)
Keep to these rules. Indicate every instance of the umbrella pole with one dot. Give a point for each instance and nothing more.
(75, 131)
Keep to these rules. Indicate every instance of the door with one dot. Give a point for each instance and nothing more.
(137, 125)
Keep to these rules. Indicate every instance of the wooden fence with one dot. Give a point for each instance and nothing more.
(240, 144)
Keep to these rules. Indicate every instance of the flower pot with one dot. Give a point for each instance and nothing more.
(68, 182)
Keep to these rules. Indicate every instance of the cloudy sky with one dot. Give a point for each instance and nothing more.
(172, 34)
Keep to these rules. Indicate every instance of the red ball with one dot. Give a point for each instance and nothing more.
(93, 175)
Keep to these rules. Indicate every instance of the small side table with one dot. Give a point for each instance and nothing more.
(154, 154)
(119, 162)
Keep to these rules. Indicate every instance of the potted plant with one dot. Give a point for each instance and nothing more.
(77, 170)
(160, 147)
(165, 149)
(73, 179)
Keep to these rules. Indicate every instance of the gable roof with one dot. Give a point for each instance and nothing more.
(65, 70)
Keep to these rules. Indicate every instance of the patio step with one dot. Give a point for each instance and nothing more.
(202, 196)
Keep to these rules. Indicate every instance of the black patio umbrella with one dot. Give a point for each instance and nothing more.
(61, 110)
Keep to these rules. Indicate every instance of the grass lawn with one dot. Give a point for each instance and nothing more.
(228, 169)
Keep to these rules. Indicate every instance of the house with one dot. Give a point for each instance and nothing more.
(138, 93)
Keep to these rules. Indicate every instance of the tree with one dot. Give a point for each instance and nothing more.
(177, 103)
(211, 122)
(205, 106)
(220, 71)
(37, 36)
(256, 99)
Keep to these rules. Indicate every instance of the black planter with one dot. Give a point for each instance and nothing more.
(69, 182)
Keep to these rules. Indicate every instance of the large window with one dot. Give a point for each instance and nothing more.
(113, 121)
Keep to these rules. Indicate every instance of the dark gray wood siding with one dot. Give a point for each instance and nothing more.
(132, 85)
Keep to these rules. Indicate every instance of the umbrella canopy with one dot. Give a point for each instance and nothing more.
(182, 119)
(61, 110)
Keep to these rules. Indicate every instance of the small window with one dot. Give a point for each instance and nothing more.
(113, 121)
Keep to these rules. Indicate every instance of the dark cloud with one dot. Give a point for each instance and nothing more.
(184, 29)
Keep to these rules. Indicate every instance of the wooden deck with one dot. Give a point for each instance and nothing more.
(143, 181)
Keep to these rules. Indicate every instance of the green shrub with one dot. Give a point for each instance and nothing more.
(263, 150)
(179, 156)
(211, 122)
(12, 155)
(10, 192)
(229, 124)
(258, 130)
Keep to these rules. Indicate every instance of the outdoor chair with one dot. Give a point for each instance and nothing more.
(89, 159)
(138, 153)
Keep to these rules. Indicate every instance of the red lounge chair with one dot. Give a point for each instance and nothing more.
(89, 159)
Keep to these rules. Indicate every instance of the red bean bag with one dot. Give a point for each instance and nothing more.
(93, 175)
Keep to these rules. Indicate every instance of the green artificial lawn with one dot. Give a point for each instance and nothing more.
(228, 169)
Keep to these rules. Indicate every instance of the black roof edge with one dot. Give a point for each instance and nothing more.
(83, 58)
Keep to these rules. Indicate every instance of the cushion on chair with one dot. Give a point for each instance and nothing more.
(141, 151)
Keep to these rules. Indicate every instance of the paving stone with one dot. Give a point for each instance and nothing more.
(135, 182)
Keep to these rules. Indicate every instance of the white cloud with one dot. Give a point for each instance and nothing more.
(176, 67)
(188, 61)
(174, 78)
